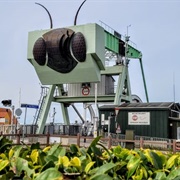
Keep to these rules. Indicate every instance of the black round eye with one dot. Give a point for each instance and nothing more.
(78, 46)
(39, 51)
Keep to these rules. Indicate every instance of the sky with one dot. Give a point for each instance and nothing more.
(153, 25)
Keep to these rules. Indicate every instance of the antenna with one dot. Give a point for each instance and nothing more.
(51, 23)
(75, 19)
(20, 97)
(174, 93)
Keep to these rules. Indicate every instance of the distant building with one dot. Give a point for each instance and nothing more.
(6, 116)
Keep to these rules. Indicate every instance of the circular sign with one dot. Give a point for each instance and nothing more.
(85, 91)
(18, 112)
(134, 117)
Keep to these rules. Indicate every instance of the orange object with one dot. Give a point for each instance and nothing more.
(6, 116)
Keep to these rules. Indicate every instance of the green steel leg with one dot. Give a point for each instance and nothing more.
(64, 108)
(123, 80)
(144, 81)
(45, 110)
(120, 85)
(129, 88)
(65, 114)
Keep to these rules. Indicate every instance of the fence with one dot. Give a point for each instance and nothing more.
(84, 141)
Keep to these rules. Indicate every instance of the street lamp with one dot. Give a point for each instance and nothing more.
(6, 102)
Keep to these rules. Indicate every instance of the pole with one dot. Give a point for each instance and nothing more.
(24, 122)
(109, 124)
(95, 118)
(12, 117)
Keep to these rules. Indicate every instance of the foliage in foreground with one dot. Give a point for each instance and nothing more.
(94, 163)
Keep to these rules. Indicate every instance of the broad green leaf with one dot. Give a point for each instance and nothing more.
(5, 143)
(64, 161)
(105, 168)
(35, 146)
(7, 176)
(42, 156)
(123, 154)
(57, 150)
(147, 154)
(50, 174)
(3, 177)
(93, 144)
(46, 149)
(171, 161)
(174, 174)
(17, 150)
(20, 164)
(51, 158)
(49, 164)
(75, 161)
(88, 166)
(3, 156)
(132, 165)
(34, 156)
(156, 160)
(53, 149)
(161, 176)
(11, 152)
(3, 164)
(145, 173)
(74, 149)
(101, 177)
(163, 157)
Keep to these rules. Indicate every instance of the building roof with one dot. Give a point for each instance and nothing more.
(152, 105)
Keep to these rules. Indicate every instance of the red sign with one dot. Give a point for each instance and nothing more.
(85, 91)
(134, 117)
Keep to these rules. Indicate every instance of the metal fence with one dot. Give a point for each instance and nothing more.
(148, 142)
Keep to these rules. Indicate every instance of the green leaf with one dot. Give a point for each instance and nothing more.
(156, 160)
(20, 164)
(3, 177)
(5, 143)
(93, 144)
(161, 176)
(132, 165)
(88, 167)
(75, 161)
(101, 177)
(17, 150)
(57, 150)
(42, 156)
(11, 152)
(3, 164)
(50, 174)
(34, 156)
(174, 173)
(171, 161)
(49, 164)
(53, 149)
(35, 146)
(104, 168)
(74, 148)
(51, 158)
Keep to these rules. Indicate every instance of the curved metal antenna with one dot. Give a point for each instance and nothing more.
(75, 19)
(51, 23)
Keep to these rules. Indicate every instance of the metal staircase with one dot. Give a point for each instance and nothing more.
(44, 91)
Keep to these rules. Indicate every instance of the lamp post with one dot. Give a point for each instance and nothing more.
(12, 118)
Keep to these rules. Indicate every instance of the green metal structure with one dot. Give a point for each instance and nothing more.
(86, 79)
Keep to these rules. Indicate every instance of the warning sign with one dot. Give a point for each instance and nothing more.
(85, 91)
(139, 118)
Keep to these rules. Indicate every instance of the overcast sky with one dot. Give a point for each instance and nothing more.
(155, 28)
